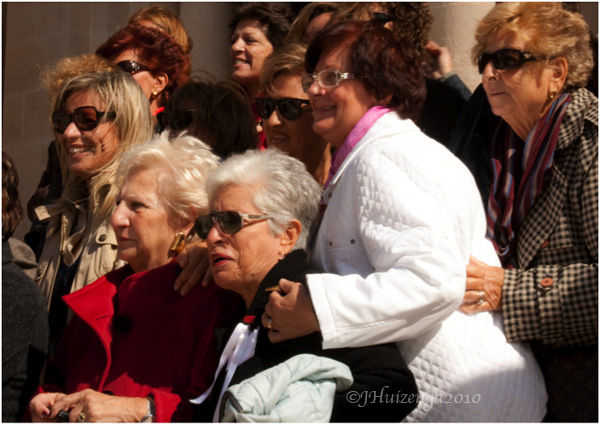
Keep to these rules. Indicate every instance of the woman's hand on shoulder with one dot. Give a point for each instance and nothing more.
(484, 287)
(41, 405)
(93, 406)
(194, 262)
(289, 313)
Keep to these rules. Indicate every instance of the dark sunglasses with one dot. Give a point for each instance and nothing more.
(230, 222)
(132, 67)
(506, 59)
(86, 118)
(289, 108)
(381, 17)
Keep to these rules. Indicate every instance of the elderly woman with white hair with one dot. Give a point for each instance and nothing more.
(262, 207)
(136, 350)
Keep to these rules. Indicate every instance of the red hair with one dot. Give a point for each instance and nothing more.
(156, 49)
(387, 66)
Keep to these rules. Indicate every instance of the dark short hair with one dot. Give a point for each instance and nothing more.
(12, 211)
(275, 18)
(157, 49)
(385, 64)
(221, 112)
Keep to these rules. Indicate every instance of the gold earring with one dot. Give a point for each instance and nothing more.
(178, 244)
(552, 94)
(154, 95)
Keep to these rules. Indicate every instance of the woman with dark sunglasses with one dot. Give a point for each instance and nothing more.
(135, 350)
(286, 113)
(262, 207)
(96, 117)
(154, 59)
(541, 195)
(400, 217)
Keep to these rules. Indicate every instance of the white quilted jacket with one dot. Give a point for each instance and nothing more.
(402, 219)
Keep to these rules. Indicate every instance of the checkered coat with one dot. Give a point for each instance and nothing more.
(553, 295)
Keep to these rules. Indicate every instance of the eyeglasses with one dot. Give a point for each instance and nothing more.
(506, 59)
(383, 18)
(289, 108)
(86, 118)
(230, 222)
(132, 67)
(180, 120)
(327, 79)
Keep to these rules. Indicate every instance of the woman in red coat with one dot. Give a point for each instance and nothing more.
(135, 349)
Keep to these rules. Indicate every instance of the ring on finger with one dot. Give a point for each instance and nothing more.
(82, 417)
(269, 324)
(480, 300)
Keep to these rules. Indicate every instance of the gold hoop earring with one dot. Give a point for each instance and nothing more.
(552, 94)
(177, 245)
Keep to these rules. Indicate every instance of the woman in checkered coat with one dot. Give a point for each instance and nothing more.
(542, 211)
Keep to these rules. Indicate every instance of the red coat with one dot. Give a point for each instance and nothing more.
(160, 344)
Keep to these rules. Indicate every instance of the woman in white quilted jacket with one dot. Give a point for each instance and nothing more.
(400, 217)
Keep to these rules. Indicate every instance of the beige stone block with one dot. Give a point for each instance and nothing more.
(36, 106)
(24, 60)
(80, 16)
(79, 43)
(12, 108)
(51, 18)
(57, 47)
(20, 20)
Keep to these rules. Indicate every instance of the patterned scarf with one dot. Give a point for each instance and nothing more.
(519, 171)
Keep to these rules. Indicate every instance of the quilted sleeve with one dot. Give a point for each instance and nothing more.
(413, 226)
(558, 305)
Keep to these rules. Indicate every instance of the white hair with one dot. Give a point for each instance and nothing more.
(282, 188)
(181, 164)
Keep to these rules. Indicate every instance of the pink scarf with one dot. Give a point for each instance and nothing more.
(358, 132)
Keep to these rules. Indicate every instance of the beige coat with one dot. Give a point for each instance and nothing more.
(98, 244)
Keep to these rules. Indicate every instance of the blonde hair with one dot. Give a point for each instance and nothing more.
(165, 20)
(54, 77)
(122, 95)
(289, 60)
(548, 29)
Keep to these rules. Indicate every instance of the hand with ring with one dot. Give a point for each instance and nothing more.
(93, 406)
(483, 288)
(269, 323)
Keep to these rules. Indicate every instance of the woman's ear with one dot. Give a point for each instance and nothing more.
(290, 236)
(160, 82)
(560, 68)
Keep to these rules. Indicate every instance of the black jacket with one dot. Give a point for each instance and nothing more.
(24, 337)
(384, 389)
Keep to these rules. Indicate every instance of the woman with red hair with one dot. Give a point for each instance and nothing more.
(400, 217)
(155, 60)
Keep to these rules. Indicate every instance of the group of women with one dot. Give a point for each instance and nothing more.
(321, 295)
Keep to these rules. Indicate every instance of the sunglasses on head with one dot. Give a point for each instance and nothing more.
(230, 222)
(86, 118)
(506, 59)
(383, 18)
(132, 67)
(289, 108)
